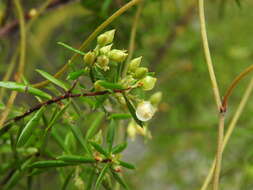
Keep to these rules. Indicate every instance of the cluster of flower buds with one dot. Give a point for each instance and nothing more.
(145, 81)
(103, 54)
(132, 75)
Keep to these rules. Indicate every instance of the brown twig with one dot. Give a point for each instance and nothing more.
(233, 85)
(57, 99)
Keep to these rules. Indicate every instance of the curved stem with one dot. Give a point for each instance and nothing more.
(9, 71)
(218, 159)
(234, 84)
(90, 39)
(230, 130)
(13, 95)
(207, 54)
(216, 95)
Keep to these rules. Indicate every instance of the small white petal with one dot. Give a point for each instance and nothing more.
(145, 111)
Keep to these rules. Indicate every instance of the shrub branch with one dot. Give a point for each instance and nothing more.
(67, 95)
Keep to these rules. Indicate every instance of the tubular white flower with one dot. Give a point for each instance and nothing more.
(145, 111)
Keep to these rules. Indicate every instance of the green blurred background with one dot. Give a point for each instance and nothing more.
(184, 130)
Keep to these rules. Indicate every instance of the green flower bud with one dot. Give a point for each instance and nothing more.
(106, 38)
(98, 87)
(140, 72)
(106, 49)
(102, 39)
(148, 83)
(89, 58)
(117, 55)
(156, 98)
(102, 62)
(134, 64)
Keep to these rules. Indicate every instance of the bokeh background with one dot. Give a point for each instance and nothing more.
(184, 130)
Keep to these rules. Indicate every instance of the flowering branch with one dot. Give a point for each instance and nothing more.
(67, 95)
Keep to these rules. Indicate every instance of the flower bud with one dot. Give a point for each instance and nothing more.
(33, 12)
(156, 98)
(106, 38)
(145, 111)
(89, 58)
(134, 64)
(102, 62)
(148, 83)
(104, 50)
(117, 55)
(140, 72)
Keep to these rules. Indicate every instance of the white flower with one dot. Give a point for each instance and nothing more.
(145, 111)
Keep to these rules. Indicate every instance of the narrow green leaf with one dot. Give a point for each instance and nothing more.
(126, 165)
(29, 128)
(78, 135)
(109, 85)
(132, 111)
(101, 175)
(119, 179)
(119, 148)
(71, 48)
(50, 164)
(111, 134)
(52, 79)
(94, 126)
(75, 75)
(70, 141)
(120, 116)
(23, 88)
(76, 159)
(99, 148)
